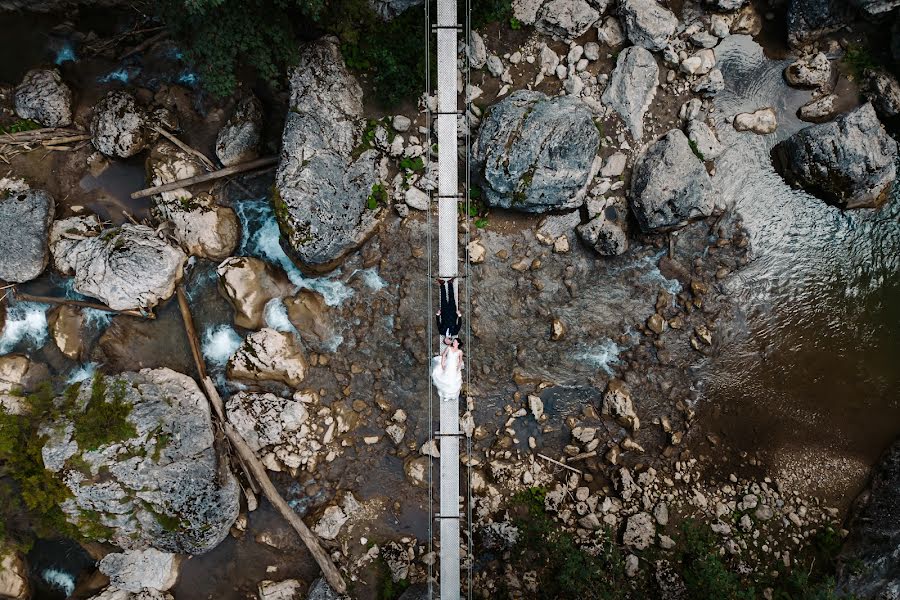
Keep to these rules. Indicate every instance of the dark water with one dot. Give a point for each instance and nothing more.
(813, 358)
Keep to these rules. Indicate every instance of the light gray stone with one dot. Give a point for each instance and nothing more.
(670, 185)
(535, 153)
(120, 128)
(164, 486)
(25, 218)
(632, 87)
(43, 97)
(647, 23)
(269, 355)
(704, 139)
(238, 140)
(135, 570)
(567, 19)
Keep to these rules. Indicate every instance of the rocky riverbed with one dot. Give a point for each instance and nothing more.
(681, 302)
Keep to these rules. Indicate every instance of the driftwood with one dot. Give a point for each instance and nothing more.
(210, 165)
(561, 464)
(83, 304)
(48, 138)
(145, 44)
(253, 464)
(247, 166)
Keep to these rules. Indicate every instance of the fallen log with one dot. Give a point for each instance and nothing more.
(210, 165)
(252, 464)
(175, 185)
(83, 304)
(561, 464)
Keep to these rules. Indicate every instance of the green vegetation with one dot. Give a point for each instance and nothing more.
(515, 24)
(695, 149)
(379, 196)
(21, 460)
(412, 164)
(564, 569)
(20, 126)
(224, 36)
(857, 59)
(388, 589)
(104, 419)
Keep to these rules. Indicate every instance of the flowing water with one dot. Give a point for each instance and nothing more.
(811, 364)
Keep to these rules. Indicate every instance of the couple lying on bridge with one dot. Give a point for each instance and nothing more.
(446, 371)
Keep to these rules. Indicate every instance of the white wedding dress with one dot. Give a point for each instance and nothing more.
(448, 380)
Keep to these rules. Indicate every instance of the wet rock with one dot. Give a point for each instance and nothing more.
(647, 24)
(238, 140)
(44, 98)
(65, 324)
(809, 20)
(726, 5)
(617, 403)
(849, 161)
(320, 590)
(112, 593)
(669, 185)
(536, 153)
(809, 73)
(704, 140)
(269, 355)
(136, 570)
(13, 576)
(710, 84)
(605, 232)
(416, 470)
(125, 267)
(249, 284)
(874, 534)
(309, 313)
(875, 8)
(632, 87)
(388, 9)
(639, 531)
(567, 19)
(883, 91)
(819, 109)
(289, 589)
(162, 483)
(25, 217)
(19, 375)
(322, 185)
(201, 226)
(120, 127)
(761, 121)
(329, 525)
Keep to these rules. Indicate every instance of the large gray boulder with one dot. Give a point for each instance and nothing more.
(159, 481)
(120, 127)
(850, 161)
(808, 20)
(25, 217)
(269, 355)
(669, 185)
(249, 284)
(647, 23)
(125, 267)
(535, 153)
(238, 140)
(883, 91)
(874, 538)
(568, 19)
(388, 9)
(44, 97)
(325, 177)
(199, 224)
(114, 593)
(632, 87)
(136, 570)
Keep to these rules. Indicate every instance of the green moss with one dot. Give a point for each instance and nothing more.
(412, 164)
(695, 149)
(857, 59)
(167, 522)
(104, 419)
(162, 442)
(388, 589)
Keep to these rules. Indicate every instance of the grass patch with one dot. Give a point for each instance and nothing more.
(105, 417)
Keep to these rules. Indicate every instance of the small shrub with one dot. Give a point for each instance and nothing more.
(378, 197)
(412, 164)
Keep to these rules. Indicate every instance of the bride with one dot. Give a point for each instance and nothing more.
(446, 370)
